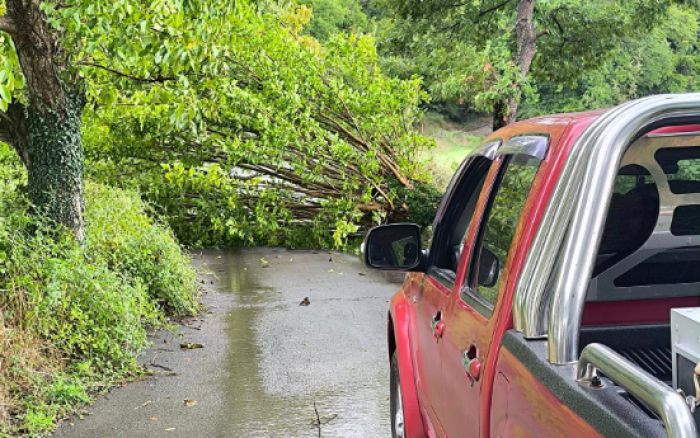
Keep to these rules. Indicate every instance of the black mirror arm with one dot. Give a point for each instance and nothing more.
(423, 263)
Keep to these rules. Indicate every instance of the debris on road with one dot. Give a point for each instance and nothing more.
(162, 367)
(144, 404)
(191, 345)
(305, 302)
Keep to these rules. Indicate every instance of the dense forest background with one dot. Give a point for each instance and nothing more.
(129, 128)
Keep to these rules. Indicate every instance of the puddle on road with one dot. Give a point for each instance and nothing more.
(345, 410)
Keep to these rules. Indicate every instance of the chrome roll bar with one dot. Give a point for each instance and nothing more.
(667, 403)
(551, 292)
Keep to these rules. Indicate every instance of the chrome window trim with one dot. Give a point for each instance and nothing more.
(675, 134)
(551, 290)
(531, 145)
(487, 150)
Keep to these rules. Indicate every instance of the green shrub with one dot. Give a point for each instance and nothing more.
(73, 316)
(121, 236)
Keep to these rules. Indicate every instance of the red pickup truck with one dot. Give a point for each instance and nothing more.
(560, 292)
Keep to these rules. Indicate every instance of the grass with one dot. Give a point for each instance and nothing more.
(454, 143)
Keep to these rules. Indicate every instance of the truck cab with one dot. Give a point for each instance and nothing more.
(560, 292)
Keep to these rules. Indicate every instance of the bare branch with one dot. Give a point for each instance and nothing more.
(7, 25)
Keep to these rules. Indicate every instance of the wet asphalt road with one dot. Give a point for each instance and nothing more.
(269, 367)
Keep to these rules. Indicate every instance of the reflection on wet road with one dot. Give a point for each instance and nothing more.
(270, 367)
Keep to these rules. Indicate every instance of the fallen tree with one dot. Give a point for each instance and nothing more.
(267, 138)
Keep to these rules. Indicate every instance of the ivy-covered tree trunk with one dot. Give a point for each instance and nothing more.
(55, 167)
(46, 132)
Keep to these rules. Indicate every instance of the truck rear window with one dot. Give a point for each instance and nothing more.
(652, 232)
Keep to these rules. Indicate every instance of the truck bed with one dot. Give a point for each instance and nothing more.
(647, 345)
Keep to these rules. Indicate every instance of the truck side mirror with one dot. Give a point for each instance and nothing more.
(489, 268)
(394, 247)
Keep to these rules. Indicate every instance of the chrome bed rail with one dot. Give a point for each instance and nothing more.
(662, 399)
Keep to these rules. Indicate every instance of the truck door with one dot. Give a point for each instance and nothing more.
(470, 318)
(438, 285)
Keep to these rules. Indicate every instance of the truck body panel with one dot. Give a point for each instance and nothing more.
(471, 373)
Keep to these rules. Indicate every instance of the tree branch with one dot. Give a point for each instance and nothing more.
(156, 79)
(7, 25)
(14, 130)
(5, 128)
(493, 8)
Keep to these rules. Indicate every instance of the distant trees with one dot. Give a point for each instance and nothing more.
(333, 16)
(491, 53)
(664, 59)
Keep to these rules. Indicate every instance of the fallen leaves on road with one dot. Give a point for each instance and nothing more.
(305, 302)
(189, 403)
(191, 345)
(264, 263)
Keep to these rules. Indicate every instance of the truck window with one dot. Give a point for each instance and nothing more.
(449, 233)
(650, 246)
(501, 220)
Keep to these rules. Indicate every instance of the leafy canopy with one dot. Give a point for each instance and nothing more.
(240, 126)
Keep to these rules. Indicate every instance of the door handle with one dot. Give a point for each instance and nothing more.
(472, 365)
(437, 325)
(438, 330)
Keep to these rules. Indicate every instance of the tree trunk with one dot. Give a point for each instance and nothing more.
(505, 111)
(55, 170)
(14, 130)
(52, 150)
(500, 114)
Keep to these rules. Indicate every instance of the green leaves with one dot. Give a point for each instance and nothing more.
(11, 80)
(260, 133)
(330, 17)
